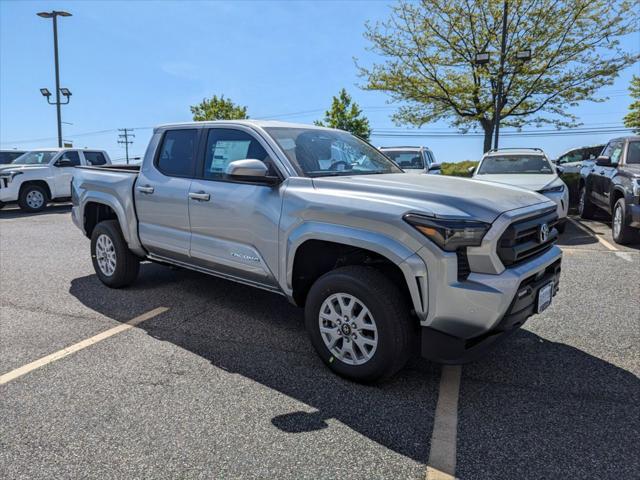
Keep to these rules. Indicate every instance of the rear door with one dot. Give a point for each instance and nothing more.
(161, 194)
(63, 175)
(234, 224)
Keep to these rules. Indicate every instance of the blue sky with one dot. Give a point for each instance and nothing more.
(142, 63)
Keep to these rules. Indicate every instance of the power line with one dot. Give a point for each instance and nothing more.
(124, 140)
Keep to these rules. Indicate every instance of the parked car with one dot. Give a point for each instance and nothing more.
(613, 185)
(527, 168)
(571, 162)
(379, 259)
(413, 159)
(41, 176)
(8, 156)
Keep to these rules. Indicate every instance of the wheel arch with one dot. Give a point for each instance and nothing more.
(40, 183)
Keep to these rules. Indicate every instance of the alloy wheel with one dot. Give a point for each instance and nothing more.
(35, 199)
(106, 255)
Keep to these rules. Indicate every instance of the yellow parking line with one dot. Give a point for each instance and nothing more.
(590, 232)
(442, 457)
(18, 372)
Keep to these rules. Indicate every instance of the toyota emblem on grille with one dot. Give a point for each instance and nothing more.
(543, 233)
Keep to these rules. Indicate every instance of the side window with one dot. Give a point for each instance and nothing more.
(615, 153)
(72, 156)
(633, 153)
(225, 145)
(95, 158)
(177, 156)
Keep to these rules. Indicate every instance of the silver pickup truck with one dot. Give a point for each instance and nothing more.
(383, 262)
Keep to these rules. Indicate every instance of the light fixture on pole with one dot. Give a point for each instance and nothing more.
(65, 91)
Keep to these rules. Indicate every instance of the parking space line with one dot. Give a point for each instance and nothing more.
(18, 372)
(590, 232)
(442, 457)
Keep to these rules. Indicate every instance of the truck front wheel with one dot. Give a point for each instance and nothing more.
(622, 233)
(585, 207)
(33, 198)
(359, 323)
(113, 262)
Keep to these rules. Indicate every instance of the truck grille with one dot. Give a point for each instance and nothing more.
(463, 265)
(524, 239)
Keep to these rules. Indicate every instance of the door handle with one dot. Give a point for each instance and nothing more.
(145, 189)
(601, 172)
(199, 196)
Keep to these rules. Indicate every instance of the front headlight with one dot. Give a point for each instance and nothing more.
(554, 189)
(449, 234)
(9, 176)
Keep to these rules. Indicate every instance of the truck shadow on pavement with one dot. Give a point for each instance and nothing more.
(529, 392)
(15, 212)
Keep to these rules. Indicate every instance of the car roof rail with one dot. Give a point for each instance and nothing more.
(516, 148)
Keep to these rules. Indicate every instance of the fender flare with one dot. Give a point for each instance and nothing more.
(411, 265)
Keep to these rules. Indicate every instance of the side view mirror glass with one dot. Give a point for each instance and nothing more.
(603, 161)
(471, 169)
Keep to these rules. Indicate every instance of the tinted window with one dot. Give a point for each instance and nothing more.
(405, 159)
(225, 146)
(633, 155)
(178, 153)
(95, 158)
(613, 151)
(72, 156)
(498, 164)
(8, 157)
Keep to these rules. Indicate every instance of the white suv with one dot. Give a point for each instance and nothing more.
(527, 168)
(44, 175)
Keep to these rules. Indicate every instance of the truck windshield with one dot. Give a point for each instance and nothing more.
(321, 153)
(500, 164)
(406, 158)
(34, 158)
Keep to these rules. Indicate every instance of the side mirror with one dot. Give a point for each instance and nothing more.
(471, 170)
(559, 169)
(64, 162)
(603, 161)
(435, 166)
(249, 169)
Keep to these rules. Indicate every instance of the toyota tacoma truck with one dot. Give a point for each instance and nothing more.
(382, 262)
(41, 176)
(612, 184)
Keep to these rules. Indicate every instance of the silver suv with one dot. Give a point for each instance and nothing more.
(380, 260)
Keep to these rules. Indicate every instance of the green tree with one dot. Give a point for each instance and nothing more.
(632, 119)
(346, 115)
(429, 63)
(218, 109)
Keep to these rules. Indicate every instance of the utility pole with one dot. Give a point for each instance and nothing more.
(65, 91)
(124, 139)
(499, 99)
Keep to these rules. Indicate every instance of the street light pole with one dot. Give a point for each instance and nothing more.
(54, 16)
(499, 100)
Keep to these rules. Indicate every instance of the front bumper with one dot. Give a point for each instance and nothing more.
(444, 347)
(9, 191)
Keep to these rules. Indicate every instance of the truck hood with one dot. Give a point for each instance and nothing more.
(434, 195)
(530, 181)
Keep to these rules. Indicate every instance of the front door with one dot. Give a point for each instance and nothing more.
(605, 174)
(162, 194)
(234, 225)
(64, 174)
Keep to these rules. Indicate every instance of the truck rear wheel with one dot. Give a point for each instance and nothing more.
(359, 323)
(113, 262)
(33, 198)
(585, 207)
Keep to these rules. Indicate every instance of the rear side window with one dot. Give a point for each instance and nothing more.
(72, 156)
(95, 158)
(177, 156)
(225, 146)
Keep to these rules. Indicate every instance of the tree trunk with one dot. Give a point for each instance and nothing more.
(488, 128)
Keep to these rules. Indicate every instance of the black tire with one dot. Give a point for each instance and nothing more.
(586, 209)
(24, 200)
(389, 309)
(626, 234)
(127, 264)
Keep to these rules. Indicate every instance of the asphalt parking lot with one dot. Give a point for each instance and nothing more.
(225, 384)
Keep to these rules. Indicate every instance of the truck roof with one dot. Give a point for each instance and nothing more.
(249, 122)
(514, 151)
